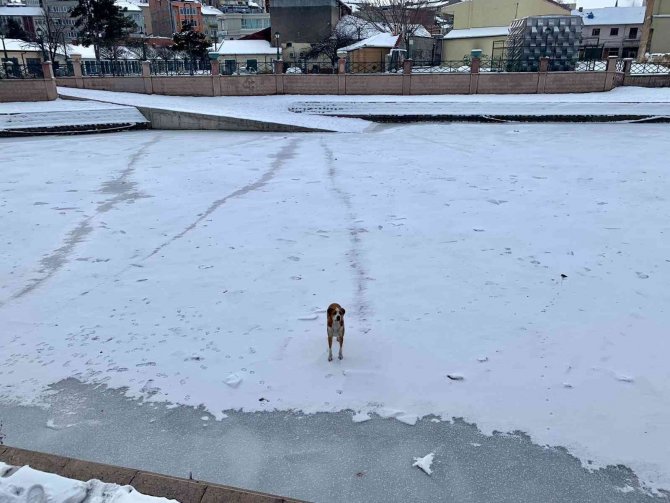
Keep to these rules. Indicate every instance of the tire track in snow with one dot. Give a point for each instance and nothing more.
(123, 190)
(285, 153)
(355, 253)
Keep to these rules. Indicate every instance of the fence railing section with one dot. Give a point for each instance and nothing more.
(461, 66)
(63, 69)
(251, 67)
(10, 70)
(594, 65)
(368, 67)
(310, 66)
(114, 68)
(649, 68)
(181, 67)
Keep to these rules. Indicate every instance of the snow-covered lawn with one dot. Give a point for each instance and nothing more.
(512, 275)
(25, 485)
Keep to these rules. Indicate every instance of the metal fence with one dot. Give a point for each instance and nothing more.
(115, 68)
(10, 70)
(368, 67)
(250, 67)
(181, 67)
(63, 69)
(650, 68)
(593, 65)
(310, 66)
(461, 66)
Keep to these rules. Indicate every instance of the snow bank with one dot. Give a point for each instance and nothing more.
(24, 484)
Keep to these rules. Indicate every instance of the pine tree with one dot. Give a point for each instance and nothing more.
(101, 24)
(15, 30)
(191, 41)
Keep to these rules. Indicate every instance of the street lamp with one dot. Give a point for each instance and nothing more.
(277, 43)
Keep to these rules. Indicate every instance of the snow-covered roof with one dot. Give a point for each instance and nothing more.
(129, 6)
(208, 10)
(489, 31)
(21, 10)
(234, 47)
(17, 45)
(86, 52)
(612, 15)
(384, 40)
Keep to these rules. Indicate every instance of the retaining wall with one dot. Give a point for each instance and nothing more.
(351, 84)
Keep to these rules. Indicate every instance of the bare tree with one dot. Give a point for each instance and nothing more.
(51, 35)
(399, 17)
(328, 46)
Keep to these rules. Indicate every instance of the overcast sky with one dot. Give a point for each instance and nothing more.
(607, 3)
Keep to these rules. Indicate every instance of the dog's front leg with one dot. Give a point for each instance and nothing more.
(330, 348)
(341, 341)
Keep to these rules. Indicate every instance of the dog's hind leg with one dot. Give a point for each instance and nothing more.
(341, 341)
(330, 348)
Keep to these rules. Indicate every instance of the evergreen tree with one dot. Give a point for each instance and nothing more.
(101, 24)
(15, 30)
(191, 41)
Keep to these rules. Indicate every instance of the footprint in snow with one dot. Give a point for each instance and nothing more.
(642, 275)
(309, 317)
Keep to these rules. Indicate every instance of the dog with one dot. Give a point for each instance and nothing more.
(335, 328)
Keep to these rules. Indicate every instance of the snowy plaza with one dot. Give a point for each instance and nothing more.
(511, 275)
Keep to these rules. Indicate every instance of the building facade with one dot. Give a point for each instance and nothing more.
(305, 21)
(235, 25)
(656, 28)
(28, 17)
(611, 31)
(484, 24)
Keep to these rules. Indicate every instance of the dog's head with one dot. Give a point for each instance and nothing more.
(336, 312)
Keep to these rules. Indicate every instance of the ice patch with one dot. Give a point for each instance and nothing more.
(425, 462)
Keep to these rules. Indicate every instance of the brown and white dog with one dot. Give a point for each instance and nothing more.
(335, 328)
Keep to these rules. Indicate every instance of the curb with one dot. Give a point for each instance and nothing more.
(152, 484)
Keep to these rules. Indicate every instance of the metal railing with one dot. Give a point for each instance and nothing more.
(310, 66)
(64, 69)
(253, 67)
(114, 68)
(593, 65)
(649, 68)
(368, 67)
(461, 66)
(180, 67)
(11, 70)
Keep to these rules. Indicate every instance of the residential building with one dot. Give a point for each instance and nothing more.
(611, 31)
(58, 12)
(250, 56)
(212, 26)
(371, 55)
(161, 18)
(305, 22)
(484, 24)
(234, 25)
(187, 13)
(656, 28)
(27, 16)
(134, 12)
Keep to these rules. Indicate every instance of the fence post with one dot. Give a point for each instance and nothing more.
(407, 76)
(475, 65)
(611, 72)
(49, 80)
(146, 77)
(342, 65)
(542, 75)
(279, 66)
(627, 65)
(76, 70)
(341, 76)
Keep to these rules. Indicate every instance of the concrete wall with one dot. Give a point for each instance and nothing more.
(390, 84)
(647, 80)
(27, 90)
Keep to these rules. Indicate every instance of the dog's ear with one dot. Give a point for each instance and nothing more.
(343, 311)
(330, 311)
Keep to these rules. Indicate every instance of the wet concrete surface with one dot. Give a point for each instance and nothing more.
(322, 457)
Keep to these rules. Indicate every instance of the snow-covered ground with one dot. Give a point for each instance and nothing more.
(622, 100)
(512, 275)
(24, 484)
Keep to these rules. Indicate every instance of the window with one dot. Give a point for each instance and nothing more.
(632, 34)
(614, 32)
(612, 51)
(595, 32)
(252, 65)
